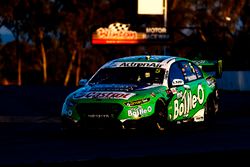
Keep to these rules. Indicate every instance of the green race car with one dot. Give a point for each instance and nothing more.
(142, 91)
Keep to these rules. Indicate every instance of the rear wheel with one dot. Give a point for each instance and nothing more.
(211, 109)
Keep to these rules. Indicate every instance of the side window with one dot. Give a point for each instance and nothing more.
(188, 71)
(197, 71)
(175, 73)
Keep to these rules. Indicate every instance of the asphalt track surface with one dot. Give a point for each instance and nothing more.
(31, 135)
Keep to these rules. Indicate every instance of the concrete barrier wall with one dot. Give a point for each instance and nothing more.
(235, 80)
(43, 104)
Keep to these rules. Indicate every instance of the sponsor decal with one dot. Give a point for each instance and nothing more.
(179, 95)
(199, 116)
(120, 33)
(116, 33)
(104, 95)
(191, 78)
(158, 70)
(137, 102)
(137, 112)
(139, 64)
(177, 82)
(166, 74)
(156, 30)
(188, 102)
(109, 33)
(152, 94)
(173, 90)
(157, 33)
(100, 116)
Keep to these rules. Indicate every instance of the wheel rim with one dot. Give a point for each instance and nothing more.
(210, 110)
(161, 117)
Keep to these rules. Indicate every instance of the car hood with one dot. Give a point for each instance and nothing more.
(115, 87)
(111, 91)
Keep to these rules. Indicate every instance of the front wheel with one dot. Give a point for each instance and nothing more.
(160, 118)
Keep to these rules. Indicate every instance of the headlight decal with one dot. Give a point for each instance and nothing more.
(70, 103)
(70, 112)
(66, 111)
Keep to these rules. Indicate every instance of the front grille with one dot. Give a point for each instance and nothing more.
(99, 111)
(99, 115)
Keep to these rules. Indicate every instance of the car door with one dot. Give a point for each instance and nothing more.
(176, 86)
(185, 83)
(194, 95)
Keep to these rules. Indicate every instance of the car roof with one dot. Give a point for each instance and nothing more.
(143, 58)
(162, 61)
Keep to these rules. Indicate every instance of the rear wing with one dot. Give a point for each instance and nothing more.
(213, 67)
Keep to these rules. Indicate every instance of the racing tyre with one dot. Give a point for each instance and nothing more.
(160, 119)
(211, 109)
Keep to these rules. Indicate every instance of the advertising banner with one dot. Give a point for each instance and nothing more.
(119, 33)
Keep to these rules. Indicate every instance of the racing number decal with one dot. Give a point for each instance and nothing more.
(187, 101)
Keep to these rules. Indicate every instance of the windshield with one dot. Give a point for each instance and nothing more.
(130, 75)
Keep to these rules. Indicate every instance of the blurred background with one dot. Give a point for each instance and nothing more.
(48, 42)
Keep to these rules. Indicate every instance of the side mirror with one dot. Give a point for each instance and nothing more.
(82, 82)
(177, 82)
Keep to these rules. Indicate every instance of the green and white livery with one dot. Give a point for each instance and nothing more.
(151, 91)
